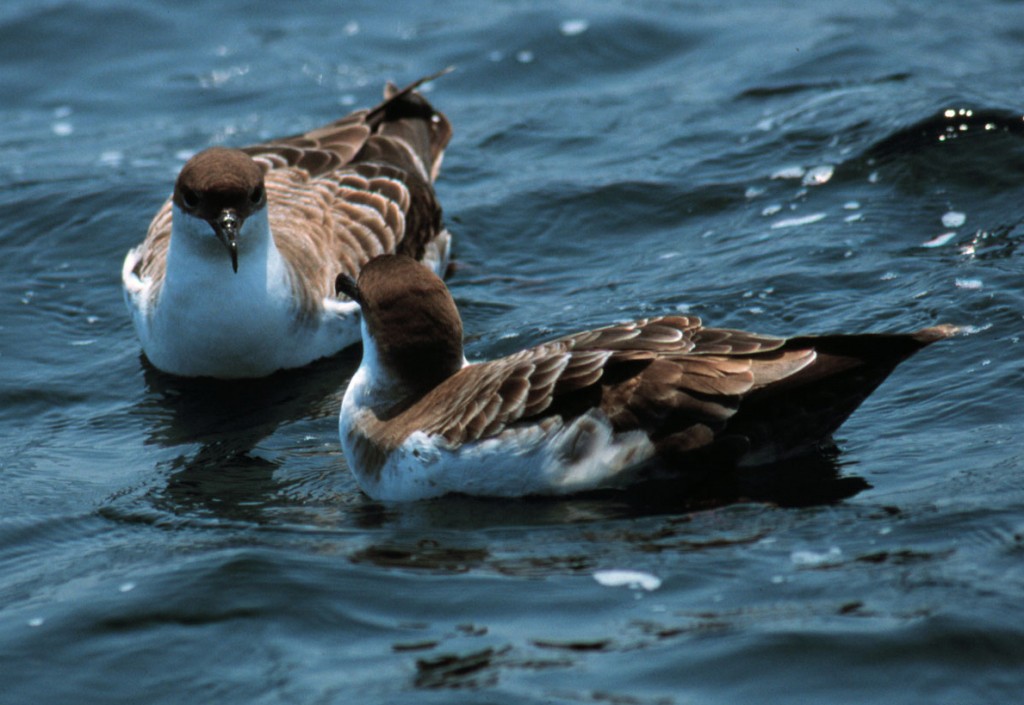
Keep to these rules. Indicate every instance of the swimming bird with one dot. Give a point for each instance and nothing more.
(236, 275)
(654, 398)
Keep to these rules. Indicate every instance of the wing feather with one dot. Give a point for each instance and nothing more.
(359, 186)
(657, 374)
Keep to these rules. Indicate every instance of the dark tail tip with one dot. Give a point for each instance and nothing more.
(391, 90)
(395, 99)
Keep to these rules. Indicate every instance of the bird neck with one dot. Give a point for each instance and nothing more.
(388, 383)
(199, 265)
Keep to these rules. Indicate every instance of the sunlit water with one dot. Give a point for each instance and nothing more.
(787, 167)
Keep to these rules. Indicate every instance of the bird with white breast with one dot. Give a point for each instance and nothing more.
(659, 398)
(236, 277)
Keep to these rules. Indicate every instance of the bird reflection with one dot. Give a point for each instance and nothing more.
(234, 486)
(228, 420)
(238, 414)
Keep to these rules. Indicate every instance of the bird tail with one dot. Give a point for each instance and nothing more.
(406, 117)
(804, 409)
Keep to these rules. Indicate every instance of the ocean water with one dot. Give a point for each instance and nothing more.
(782, 167)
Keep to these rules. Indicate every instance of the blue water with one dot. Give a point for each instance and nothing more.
(782, 167)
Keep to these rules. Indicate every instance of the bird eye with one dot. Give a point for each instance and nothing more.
(257, 195)
(190, 198)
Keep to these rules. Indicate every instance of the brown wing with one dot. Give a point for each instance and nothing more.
(672, 336)
(151, 255)
(701, 394)
(646, 374)
(362, 186)
(484, 399)
(343, 193)
(403, 126)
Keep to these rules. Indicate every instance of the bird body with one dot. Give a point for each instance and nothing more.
(292, 214)
(659, 397)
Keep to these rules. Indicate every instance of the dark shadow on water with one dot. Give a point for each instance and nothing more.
(228, 419)
(233, 486)
(460, 671)
(813, 479)
(795, 88)
(234, 415)
(443, 535)
(978, 149)
(955, 125)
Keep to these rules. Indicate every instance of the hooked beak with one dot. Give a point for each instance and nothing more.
(226, 226)
(344, 284)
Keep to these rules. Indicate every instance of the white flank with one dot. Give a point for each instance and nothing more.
(527, 460)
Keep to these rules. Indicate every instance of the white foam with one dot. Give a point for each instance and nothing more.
(790, 172)
(953, 219)
(633, 579)
(814, 558)
(572, 28)
(939, 240)
(819, 175)
(111, 157)
(802, 220)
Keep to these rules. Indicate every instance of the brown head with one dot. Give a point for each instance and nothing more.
(412, 320)
(223, 187)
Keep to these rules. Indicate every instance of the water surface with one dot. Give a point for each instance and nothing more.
(793, 167)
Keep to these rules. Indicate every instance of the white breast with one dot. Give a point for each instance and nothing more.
(208, 320)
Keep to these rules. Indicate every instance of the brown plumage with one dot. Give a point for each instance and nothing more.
(293, 215)
(339, 194)
(700, 395)
(684, 394)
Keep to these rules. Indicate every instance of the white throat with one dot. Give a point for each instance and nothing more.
(195, 252)
(233, 317)
(372, 386)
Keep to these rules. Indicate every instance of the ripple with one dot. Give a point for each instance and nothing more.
(206, 543)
